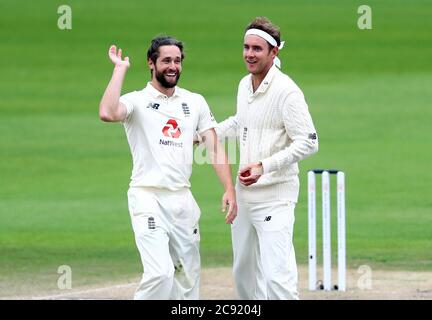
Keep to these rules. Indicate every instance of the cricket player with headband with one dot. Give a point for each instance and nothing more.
(275, 131)
(161, 121)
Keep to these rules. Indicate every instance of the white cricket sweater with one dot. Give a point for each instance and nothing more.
(272, 125)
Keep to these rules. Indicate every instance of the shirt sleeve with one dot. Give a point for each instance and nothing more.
(127, 100)
(206, 119)
(300, 128)
(227, 128)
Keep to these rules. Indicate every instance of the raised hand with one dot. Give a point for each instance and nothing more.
(116, 57)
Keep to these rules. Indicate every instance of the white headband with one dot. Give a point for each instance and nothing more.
(269, 39)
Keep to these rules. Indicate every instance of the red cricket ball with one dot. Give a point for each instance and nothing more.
(246, 174)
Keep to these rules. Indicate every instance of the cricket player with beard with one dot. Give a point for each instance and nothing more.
(161, 121)
(275, 131)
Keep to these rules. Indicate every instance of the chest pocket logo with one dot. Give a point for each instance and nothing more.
(244, 134)
(171, 129)
(186, 110)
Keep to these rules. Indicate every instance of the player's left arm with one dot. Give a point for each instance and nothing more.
(219, 161)
(227, 128)
(301, 130)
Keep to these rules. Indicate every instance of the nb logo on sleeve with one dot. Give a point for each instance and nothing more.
(312, 136)
(171, 129)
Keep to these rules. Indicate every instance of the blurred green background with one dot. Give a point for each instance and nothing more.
(64, 174)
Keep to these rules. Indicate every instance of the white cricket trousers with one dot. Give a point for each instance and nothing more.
(166, 230)
(264, 257)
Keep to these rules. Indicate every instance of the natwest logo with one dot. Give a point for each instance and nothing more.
(171, 129)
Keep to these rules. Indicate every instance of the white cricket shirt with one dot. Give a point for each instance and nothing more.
(160, 131)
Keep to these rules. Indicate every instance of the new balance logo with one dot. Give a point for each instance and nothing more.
(171, 129)
(312, 136)
(268, 218)
(151, 223)
(154, 106)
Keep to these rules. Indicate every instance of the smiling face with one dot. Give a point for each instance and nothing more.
(168, 67)
(257, 55)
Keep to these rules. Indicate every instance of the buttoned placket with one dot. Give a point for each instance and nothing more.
(168, 100)
(169, 103)
(165, 99)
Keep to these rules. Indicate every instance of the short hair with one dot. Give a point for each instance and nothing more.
(159, 41)
(264, 24)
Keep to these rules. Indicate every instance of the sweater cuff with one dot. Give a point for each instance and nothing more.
(269, 165)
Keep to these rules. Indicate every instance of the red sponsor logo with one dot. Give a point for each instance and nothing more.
(171, 129)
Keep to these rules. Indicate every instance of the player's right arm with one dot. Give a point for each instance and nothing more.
(110, 108)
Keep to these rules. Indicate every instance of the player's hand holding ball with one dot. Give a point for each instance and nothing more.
(250, 173)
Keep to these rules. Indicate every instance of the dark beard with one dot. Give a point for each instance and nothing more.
(164, 83)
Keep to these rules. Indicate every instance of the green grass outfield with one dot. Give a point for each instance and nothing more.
(64, 173)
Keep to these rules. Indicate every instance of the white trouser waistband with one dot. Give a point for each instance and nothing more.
(161, 190)
(281, 191)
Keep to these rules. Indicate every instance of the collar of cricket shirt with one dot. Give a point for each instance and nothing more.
(157, 94)
(266, 81)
